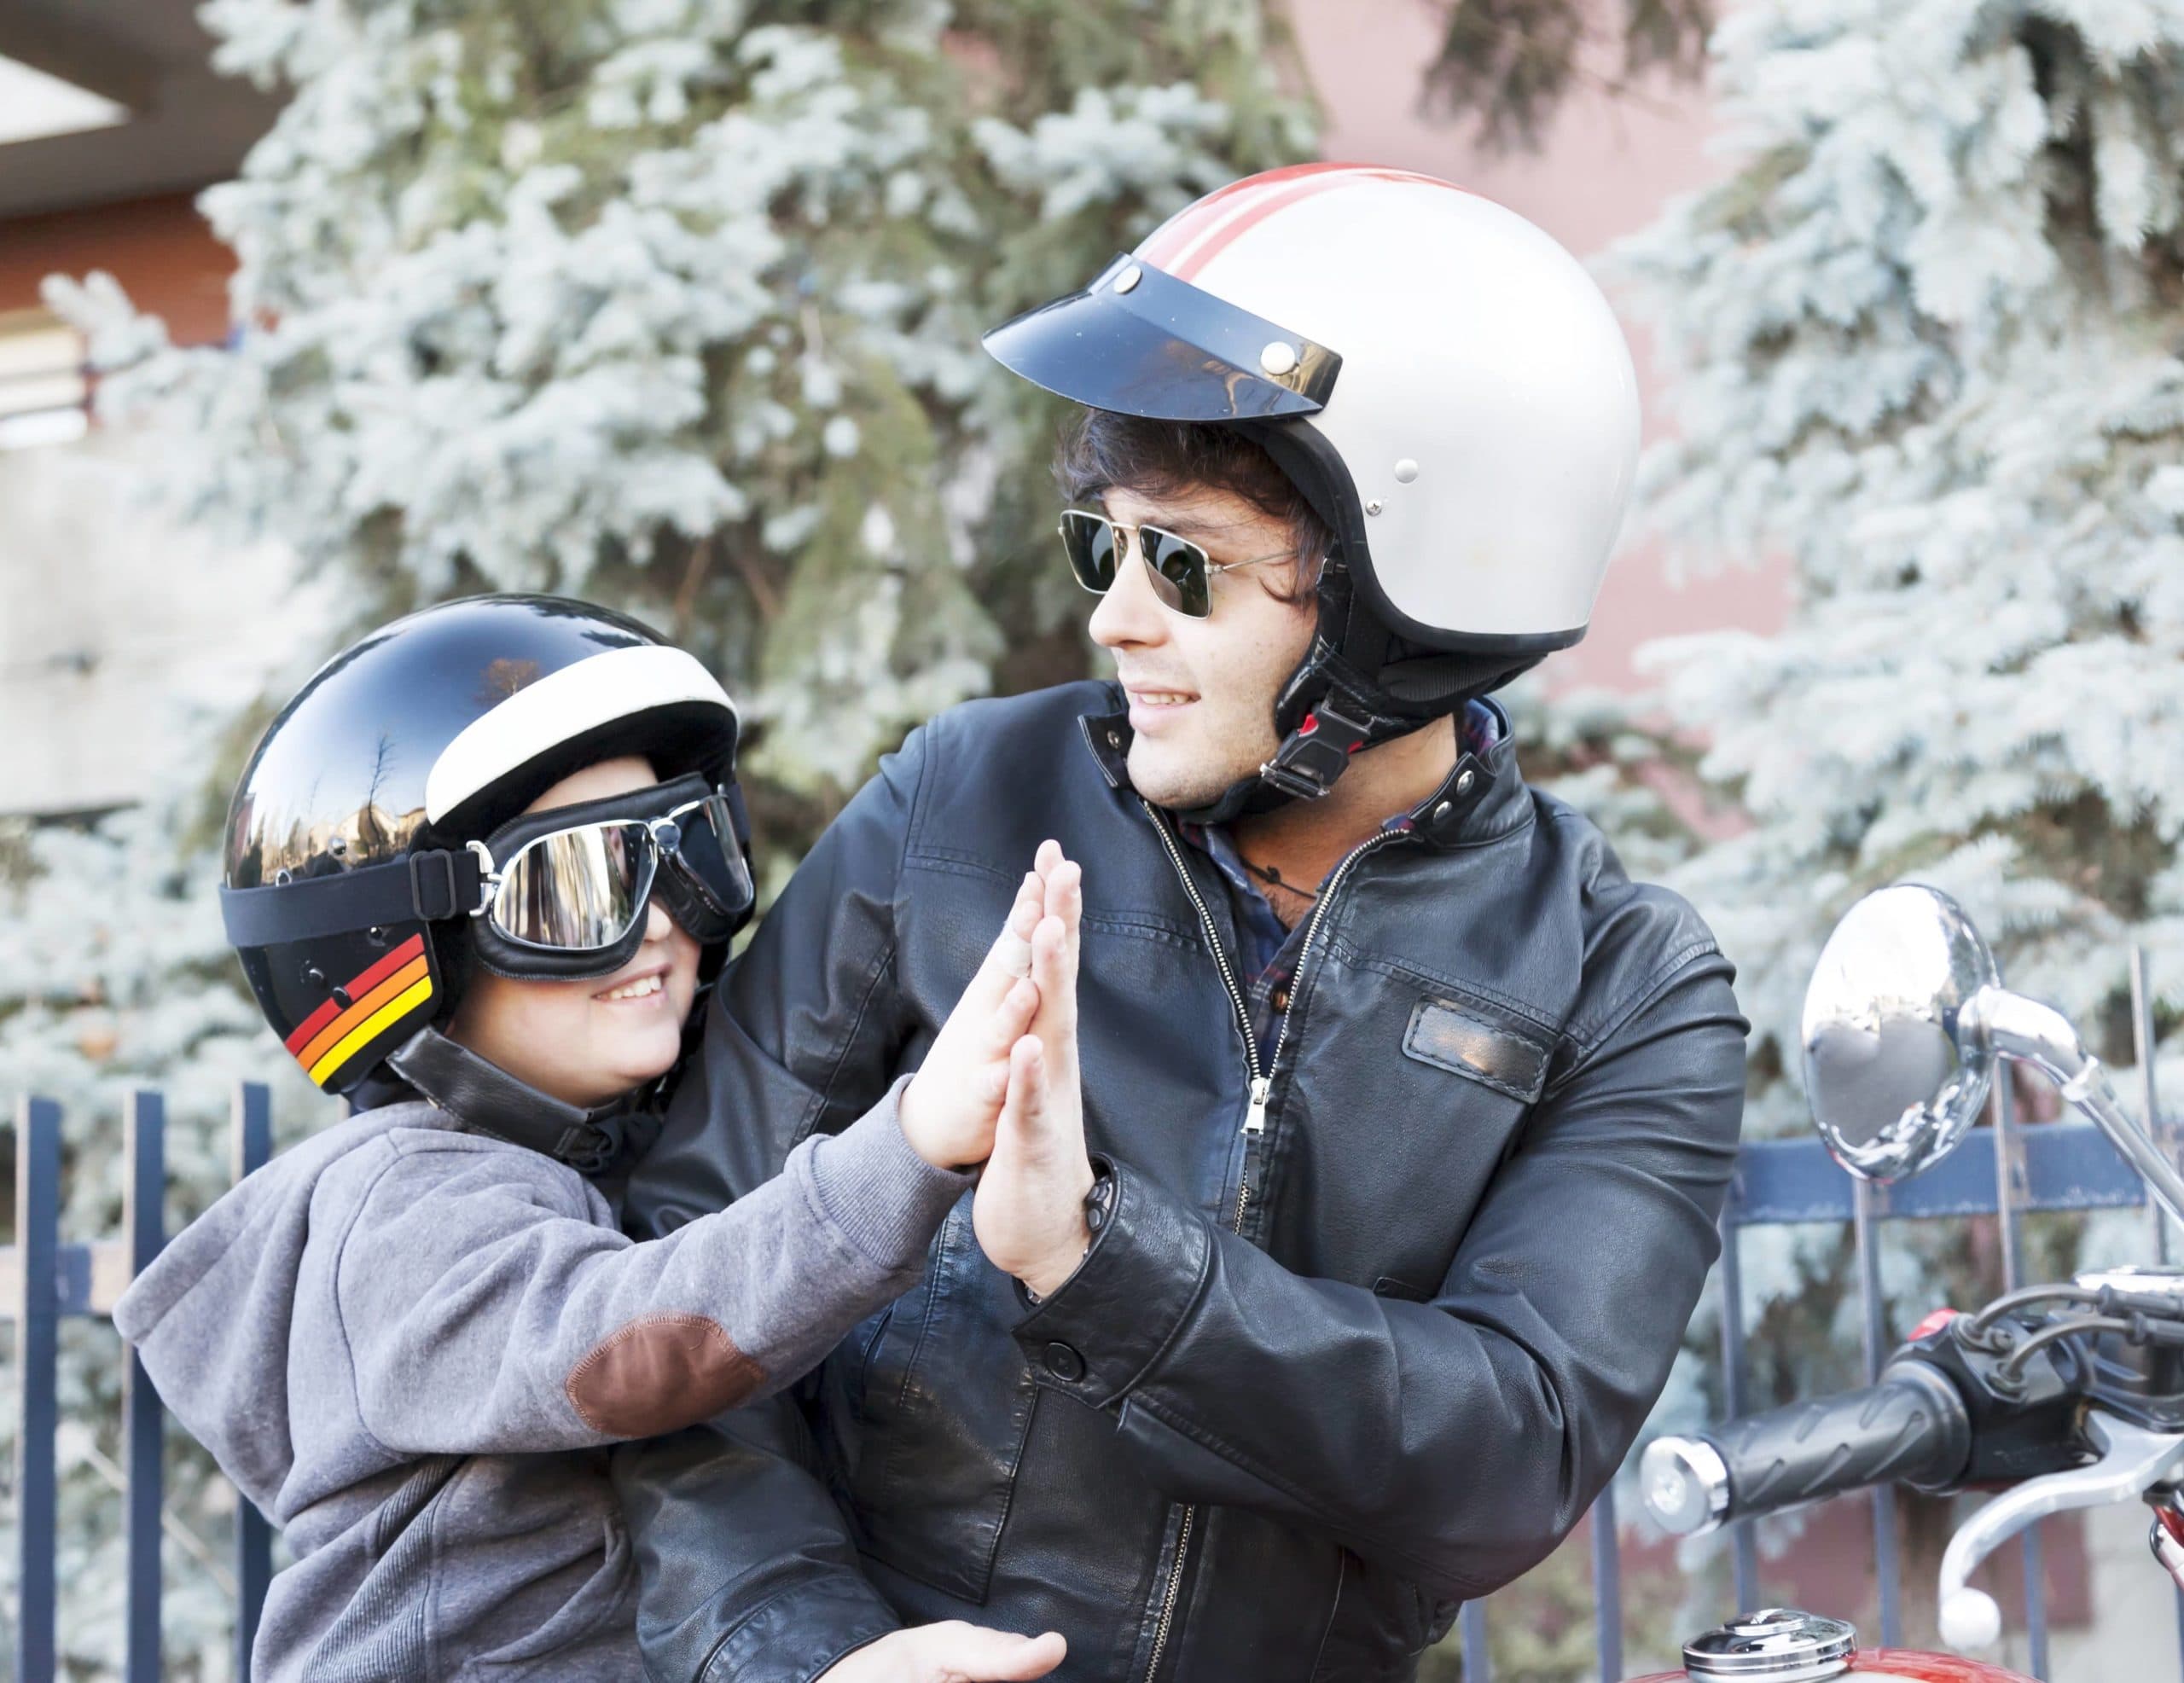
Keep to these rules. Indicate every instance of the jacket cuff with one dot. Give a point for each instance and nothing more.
(1101, 1328)
(885, 1200)
(798, 1634)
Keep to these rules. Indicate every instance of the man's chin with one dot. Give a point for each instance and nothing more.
(1177, 784)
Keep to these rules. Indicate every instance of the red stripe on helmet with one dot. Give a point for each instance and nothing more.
(356, 986)
(1189, 239)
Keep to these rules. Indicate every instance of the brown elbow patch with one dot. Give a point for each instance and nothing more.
(659, 1373)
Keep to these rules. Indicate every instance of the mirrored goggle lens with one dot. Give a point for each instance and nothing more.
(1178, 570)
(710, 855)
(1089, 542)
(576, 890)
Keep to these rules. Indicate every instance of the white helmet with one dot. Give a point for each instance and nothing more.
(1444, 384)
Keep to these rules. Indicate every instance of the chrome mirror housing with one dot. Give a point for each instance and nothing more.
(1895, 1073)
(1905, 1019)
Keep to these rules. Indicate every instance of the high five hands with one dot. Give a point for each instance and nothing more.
(1001, 1085)
(1029, 1213)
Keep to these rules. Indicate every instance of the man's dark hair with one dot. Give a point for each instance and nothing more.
(1104, 450)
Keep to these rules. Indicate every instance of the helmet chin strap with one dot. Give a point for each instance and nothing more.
(488, 1098)
(1328, 711)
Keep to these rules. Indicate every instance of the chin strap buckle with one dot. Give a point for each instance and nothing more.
(1316, 753)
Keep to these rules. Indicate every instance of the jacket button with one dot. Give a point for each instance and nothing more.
(1114, 738)
(1064, 1363)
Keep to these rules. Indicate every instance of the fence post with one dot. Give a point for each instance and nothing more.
(37, 1324)
(1744, 1547)
(1873, 1338)
(1477, 1666)
(143, 1217)
(2164, 1137)
(1607, 1584)
(251, 1144)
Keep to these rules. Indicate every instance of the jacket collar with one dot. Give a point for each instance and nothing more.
(1482, 799)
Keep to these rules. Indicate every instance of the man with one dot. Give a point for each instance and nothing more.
(1415, 1113)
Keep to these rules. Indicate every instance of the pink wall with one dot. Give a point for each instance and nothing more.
(1605, 170)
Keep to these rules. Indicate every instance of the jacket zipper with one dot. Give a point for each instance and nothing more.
(1254, 1116)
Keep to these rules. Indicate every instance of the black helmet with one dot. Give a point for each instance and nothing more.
(359, 864)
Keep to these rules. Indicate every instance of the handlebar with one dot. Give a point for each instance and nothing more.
(1912, 1428)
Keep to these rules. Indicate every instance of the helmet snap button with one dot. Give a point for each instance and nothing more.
(1128, 280)
(1406, 470)
(1278, 358)
(1374, 507)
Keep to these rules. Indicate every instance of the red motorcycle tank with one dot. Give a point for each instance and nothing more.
(1783, 1646)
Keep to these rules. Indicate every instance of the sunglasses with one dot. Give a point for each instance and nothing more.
(571, 897)
(1181, 572)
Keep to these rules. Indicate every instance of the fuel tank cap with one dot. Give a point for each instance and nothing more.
(1779, 1644)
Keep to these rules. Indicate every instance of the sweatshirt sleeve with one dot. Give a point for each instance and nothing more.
(485, 1310)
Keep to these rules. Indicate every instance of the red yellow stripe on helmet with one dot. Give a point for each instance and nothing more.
(378, 996)
(1183, 245)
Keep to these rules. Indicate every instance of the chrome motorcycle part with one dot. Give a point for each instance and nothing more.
(2133, 1460)
(2167, 1537)
(1893, 1082)
(1904, 1019)
(1686, 1485)
(1779, 1645)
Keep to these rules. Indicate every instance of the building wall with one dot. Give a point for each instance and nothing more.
(108, 613)
(1606, 168)
(160, 249)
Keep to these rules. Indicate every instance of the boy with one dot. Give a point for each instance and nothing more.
(510, 823)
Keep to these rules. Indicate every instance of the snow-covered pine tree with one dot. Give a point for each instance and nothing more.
(1924, 343)
(674, 304)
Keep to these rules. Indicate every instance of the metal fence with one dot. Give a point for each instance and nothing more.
(2001, 1171)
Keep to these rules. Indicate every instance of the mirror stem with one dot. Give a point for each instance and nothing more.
(2032, 1033)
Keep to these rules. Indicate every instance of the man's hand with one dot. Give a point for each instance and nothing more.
(953, 1653)
(1029, 1212)
(951, 1105)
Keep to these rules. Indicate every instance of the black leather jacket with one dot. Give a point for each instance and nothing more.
(1295, 1406)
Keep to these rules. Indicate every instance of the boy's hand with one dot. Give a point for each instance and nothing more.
(953, 1653)
(950, 1108)
(1029, 1213)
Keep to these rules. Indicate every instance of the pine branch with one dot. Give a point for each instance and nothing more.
(1509, 65)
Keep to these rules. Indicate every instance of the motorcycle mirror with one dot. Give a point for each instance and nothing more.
(1896, 1070)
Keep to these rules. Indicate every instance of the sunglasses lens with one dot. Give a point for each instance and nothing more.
(1178, 570)
(1089, 542)
(576, 891)
(711, 857)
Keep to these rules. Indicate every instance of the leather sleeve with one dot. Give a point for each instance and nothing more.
(1456, 1440)
(746, 1569)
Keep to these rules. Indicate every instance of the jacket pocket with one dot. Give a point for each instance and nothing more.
(1382, 1623)
(938, 1419)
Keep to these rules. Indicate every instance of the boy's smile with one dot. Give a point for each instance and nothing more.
(587, 1041)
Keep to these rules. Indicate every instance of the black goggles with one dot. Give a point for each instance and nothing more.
(1181, 572)
(563, 892)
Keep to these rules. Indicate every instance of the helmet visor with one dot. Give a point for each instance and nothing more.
(1141, 342)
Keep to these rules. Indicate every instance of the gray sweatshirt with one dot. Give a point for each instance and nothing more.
(407, 1342)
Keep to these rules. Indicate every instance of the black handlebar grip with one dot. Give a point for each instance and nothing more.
(1911, 1428)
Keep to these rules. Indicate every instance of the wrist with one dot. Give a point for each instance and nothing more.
(909, 1113)
(1050, 1272)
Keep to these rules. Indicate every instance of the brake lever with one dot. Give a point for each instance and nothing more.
(2133, 1460)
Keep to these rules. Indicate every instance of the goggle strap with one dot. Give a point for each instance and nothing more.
(429, 886)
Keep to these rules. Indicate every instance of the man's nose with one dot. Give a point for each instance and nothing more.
(1130, 615)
